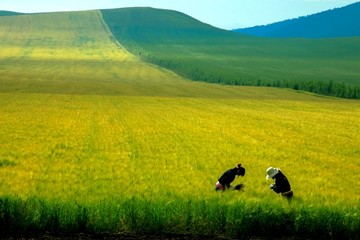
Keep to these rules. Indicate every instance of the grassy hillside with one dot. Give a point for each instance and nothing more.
(201, 52)
(95, 141)
(338, 22)
(73, 53)
(8, 13)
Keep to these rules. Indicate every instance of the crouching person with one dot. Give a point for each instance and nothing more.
(281, 184)
(228, 177)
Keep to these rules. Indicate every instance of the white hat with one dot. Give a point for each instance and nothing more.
(271, 172)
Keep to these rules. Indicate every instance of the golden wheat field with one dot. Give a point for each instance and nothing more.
(88, 148)
(83, 120)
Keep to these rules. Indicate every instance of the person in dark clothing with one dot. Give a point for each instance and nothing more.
(281, 184)
(228, 177)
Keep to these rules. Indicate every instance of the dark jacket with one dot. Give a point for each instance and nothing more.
(282, 185)
(226, 179)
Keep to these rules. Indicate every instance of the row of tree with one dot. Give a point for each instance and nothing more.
(328, 88)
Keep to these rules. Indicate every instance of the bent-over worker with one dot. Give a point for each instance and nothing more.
(224, 182)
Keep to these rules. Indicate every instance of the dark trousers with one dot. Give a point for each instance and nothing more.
(288, 195)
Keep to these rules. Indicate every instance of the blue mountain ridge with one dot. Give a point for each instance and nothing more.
(338, 22)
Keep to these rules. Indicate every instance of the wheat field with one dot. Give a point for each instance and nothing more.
(95, 147)
(83, 121)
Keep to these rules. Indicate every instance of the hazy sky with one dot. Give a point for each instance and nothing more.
(227, 14)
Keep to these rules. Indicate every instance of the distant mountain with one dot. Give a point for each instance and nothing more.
(338, 22)
(8, 13)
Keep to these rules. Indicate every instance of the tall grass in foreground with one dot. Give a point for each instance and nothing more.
(242, 219)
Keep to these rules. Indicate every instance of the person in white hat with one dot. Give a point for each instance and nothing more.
(281, 184)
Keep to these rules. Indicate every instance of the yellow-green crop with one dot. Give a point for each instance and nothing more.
(83, 121)
(98, 147)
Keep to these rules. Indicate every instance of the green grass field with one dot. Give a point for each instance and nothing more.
(202, 52)
(94, 140)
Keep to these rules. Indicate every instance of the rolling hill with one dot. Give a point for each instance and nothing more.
(9, 13)
(74, 53)
(88, 52)
(339, 22)
(201, 52)
(97, 143)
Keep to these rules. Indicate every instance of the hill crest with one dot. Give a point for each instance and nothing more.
(168, 39)
(9, 13)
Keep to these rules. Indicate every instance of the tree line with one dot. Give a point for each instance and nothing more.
(327, 88)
